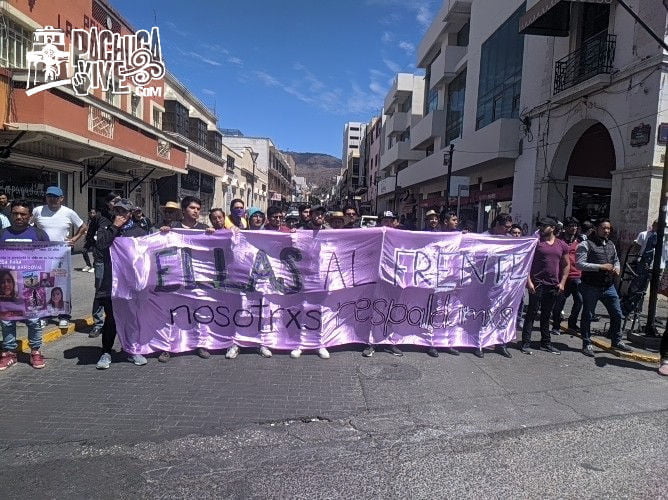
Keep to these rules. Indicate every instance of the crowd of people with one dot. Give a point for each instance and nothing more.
(572, 259)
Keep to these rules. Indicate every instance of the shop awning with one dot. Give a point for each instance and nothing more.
(550, 17)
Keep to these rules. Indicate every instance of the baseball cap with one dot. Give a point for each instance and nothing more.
(548, 221)
(388, 215)
(336, 215)
(430, 213)
(125, 203)
(54, 191)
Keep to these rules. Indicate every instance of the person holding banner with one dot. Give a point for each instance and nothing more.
(275, 219)
(236, 217)
(59, 221)
(317, 221)
(547, 279)
(432, 222)
(256, 219)
(217, 218)
(304, 217)
(122, 226)
(20, 230)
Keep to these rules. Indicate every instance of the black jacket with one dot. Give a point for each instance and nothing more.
(105, 238)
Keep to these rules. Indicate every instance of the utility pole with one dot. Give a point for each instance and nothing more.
(447, 159)
(650, 327)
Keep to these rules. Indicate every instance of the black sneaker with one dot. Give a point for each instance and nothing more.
(574, 327)
(549, 348)
(202, 353)
(368, 351)
(588, 351)
(622, 347)
(432, 352)
(393, 349)
(524, 348)
(164, 357)
(503, 351)
(451, 350)
(95, 332)
(478, 353)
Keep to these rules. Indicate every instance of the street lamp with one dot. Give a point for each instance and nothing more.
(254, 156)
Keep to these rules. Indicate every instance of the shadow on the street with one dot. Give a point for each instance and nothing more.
(89, 355)
(602, 362)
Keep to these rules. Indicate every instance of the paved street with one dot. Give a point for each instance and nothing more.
(532, 426)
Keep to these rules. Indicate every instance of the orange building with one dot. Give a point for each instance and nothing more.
(88, 145)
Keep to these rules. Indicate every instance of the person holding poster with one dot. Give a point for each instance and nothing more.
(19, 231)
(59, 221)
(122, 226)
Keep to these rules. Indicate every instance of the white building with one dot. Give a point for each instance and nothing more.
(593, 95)
(353, 132)
(552, 108)
(403, 109)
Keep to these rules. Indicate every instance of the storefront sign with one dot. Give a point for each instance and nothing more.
(96, 59)
(640, 135)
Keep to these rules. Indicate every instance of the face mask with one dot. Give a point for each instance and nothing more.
(238, 212)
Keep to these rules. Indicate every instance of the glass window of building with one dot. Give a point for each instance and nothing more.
(463, 35)
(501, 73)
(455, 115)
(15, 41)
(432, 100)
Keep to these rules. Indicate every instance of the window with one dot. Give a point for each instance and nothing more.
(353, 146)
(14, 43)
(405, 135)
(112, 98)
(430, 150)
(354, 138)
(455, 115)
(157, 118)
(355, 129)
(135, 105)
(405, 106)
(463, 35)
(176, 118)
(432, 100)
(501, 73)
(197, 131)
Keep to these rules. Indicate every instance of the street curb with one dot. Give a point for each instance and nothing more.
(53, 333)
(607, 345)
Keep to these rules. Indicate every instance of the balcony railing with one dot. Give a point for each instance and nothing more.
(595, 57)
(100, 122)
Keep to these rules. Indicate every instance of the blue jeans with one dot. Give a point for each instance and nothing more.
(608, 296)
(9, 342)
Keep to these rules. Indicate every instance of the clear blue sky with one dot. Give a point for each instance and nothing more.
(291, 70)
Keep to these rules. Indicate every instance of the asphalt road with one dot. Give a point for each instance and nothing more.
(412, 427)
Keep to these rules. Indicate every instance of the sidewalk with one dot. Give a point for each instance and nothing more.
(647, 349)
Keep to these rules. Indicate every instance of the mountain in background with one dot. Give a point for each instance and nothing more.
(319, 169)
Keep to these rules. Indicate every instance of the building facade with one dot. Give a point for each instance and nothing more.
(88, 145)
(552, 108)
(403, 109)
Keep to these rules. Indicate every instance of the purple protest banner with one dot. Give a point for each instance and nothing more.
(34, 280)
(186, 289)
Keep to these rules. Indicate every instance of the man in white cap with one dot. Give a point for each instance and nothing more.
(431, 222)
(59, 222)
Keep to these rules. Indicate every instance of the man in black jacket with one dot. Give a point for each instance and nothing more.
(597, 258)
(122, 226)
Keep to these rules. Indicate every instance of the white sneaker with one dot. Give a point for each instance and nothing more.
(104, 362)
(323, 353)
(265, 352)
(295, 353)
(232, 352)
(63, 323)
(91, 270)
(85, 269)
(137, 359)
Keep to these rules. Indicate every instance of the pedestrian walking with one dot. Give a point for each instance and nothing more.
(59, 222)
(598, 260)
(19, 230)
(89, 242)
(571, 236)
(122, 226)
(547, 278)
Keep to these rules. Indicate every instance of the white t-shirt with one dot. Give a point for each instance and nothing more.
(59, 224)
(642, 241)
(4, 221)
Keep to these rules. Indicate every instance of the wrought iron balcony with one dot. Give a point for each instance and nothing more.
(595, 57)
